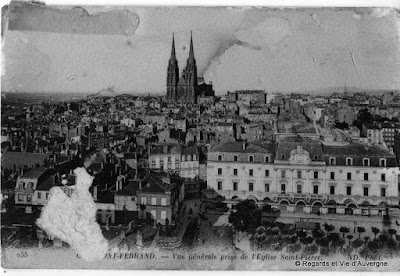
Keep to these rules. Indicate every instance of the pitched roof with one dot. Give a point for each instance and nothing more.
(130, 189)
(35, 172)
(190, 150)
(47, 184)
(290, 143)
(247, 148)
(358, 152)
(157, 183)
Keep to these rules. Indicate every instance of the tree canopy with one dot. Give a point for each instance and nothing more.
(247, 216)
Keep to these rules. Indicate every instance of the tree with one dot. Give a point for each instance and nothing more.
(349, 237)
(363, 117)
(329, 227)
(375, 231)
(344, 230)
(301, 234)
(317, 233)
(342, 125)
(392, 232)
(247, 216)
(360, 230)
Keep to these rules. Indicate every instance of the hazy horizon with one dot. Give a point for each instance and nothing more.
(85, 50)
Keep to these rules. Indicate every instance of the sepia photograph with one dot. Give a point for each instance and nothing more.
(251, 138)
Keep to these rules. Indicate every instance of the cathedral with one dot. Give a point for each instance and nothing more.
(184, 89)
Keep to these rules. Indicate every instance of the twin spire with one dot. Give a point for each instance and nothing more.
(191, 51)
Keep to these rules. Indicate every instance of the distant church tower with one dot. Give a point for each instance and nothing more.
(184, 91)
(172, 75)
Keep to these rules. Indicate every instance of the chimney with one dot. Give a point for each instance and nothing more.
(95, 193)
(244, 146)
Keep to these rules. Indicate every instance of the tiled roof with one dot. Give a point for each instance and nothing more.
(358, 152)
(34, 172)
(9, 158)
(249, 147)
(47, 184)
(190, 150)
(286, 146)
(153, 183)
(165, 148)
(130, 189)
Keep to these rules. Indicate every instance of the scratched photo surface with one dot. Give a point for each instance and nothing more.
(200, 138)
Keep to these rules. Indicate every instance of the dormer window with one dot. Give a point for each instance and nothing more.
(332, 161)
(349, 161)
(183, 158)
(219, 157)
(266, 159)
(194, 157)
(382, 162)
(189, 158)
(366, 162)
(251, 158)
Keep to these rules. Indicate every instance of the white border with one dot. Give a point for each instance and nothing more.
(270, 3)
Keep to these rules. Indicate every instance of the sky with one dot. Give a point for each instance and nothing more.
(126, 48)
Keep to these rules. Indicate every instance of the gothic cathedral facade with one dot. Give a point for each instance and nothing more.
(183, 89)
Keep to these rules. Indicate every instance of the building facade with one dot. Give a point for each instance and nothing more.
(159, 198)
(304, 175)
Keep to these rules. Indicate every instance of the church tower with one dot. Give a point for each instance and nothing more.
(191, 74)
(172, 75)
(187, 86)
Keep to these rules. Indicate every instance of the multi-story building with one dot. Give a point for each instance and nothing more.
(388, 132)
(304, 175)
(241, 170)
(165, 157)
(159, 198)
(189, 166)
(27, 184)
(374, 134)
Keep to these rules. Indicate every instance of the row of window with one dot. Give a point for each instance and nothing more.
(299, 189)
(153, 201)
(332, 160)
(177, 158)
(267, 158)
(29, 197)
(300, 174)
(366, 161)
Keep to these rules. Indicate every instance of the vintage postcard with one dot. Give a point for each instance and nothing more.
(200, 138)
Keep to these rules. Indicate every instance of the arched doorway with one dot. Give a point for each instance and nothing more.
(331, 207)
(283, 205)
(350, 208)
(316, 207)
(252, 198)
(300, 206)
